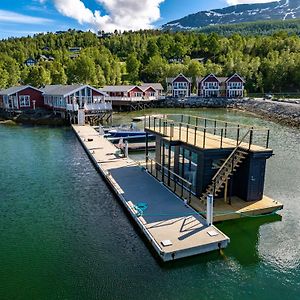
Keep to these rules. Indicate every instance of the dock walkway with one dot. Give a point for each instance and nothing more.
(174, 230)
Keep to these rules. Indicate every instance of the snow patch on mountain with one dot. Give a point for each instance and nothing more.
(282, 10)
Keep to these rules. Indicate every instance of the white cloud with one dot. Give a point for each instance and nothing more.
(121, 14)
(12, 17)
(235, 2)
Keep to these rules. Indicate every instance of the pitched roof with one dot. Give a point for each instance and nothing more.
(118, 88)
(220, 79)
(236, 74)
(15, 89)
(171, 79)
(156, 86)
(65, 90)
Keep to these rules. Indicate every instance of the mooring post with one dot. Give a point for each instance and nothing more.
(209, 209)
(126, 148)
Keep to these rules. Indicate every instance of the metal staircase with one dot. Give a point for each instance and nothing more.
(228, 168)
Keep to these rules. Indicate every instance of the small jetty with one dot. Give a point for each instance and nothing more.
(173, 228)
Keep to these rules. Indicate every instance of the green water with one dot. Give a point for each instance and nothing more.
(63, 235)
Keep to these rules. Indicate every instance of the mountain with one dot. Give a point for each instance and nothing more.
(278, 10)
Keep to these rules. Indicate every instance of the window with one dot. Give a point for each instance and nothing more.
(181, 85)
(211, 85)
(24, 101)
(138, 94)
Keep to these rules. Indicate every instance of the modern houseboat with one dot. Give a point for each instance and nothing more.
(198, 157)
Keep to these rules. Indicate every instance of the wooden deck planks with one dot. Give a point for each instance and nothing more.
(239, 208)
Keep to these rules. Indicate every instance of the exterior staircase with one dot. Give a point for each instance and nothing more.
(227, 170)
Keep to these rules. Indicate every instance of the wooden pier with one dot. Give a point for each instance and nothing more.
(174, 229)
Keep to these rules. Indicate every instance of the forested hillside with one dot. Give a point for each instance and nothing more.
(269, 63)
(255, 28)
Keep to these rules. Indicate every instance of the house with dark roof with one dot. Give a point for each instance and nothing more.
(23, 97)
(179, 86)
(212, 86)
(235, 86)
(70, 97)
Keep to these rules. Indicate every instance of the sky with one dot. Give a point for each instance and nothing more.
(26, 17)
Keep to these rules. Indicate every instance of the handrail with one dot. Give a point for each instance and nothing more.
(224, 131)
(221, 121)
(258, 128)
(230, 156)
(176, 175)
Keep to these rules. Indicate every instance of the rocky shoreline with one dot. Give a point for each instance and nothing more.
(37, 117)
(282, 112)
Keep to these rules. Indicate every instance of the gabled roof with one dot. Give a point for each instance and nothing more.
(220, 79)
(235, 74)
(66, 90)
(16, 89)
(172, 79)
(156, 86)
(209, 75)
(119, 88)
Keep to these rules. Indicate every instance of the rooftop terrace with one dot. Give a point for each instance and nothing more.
(205, 133)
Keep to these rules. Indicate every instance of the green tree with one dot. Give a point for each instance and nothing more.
(4, 78)
(58, 74)
(133, 68)
(85, 70)
(156, 70)
(195, 69)
(38, 76)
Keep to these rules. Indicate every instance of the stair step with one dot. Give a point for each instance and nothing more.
(225, 174)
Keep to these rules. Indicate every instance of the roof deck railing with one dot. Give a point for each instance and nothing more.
(198, 131)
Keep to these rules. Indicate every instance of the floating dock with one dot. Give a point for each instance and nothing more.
(196, 157)
(174, 229)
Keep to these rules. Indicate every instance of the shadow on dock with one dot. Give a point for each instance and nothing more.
(243, 248)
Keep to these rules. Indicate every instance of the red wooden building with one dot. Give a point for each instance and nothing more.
(21, 98)
(235, 86)
(212, 86)
(179, 86)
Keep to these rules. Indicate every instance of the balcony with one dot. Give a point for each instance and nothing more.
(131, 99)
(98, 106)
(91, 107)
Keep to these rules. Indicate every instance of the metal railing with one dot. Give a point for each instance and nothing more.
(98, 106)
(132, 99)
(173, 181)
(197, 130)
(90, 106)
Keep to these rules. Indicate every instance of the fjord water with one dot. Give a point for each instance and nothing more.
(63, 234)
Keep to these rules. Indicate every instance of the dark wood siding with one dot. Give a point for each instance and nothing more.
(35, 95)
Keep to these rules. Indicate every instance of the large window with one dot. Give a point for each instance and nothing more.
(24, 101)
(188, 166)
